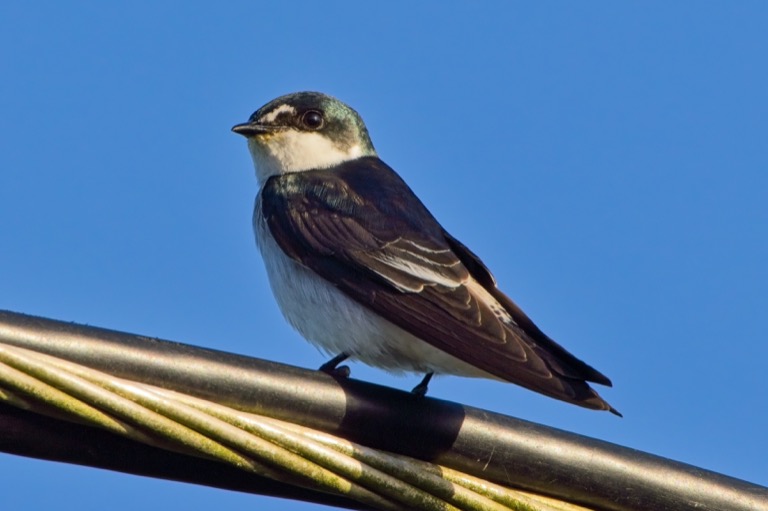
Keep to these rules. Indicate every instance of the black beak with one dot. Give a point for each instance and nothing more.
(248, 129)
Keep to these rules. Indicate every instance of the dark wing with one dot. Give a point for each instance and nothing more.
(360, 227)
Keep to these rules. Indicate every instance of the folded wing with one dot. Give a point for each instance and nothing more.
(361, 227)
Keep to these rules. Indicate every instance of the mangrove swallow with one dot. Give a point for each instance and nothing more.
(362, 269)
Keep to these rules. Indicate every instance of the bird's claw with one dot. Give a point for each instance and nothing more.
(332, 366)
(420, 390)
(338, 372)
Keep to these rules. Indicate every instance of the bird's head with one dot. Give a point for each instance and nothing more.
(304, 131)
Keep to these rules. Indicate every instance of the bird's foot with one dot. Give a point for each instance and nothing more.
(332, 366)
(420, 390)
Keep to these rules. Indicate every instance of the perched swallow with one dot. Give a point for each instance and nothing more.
(362, 269)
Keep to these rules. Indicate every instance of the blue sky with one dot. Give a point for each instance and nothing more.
(607, 160)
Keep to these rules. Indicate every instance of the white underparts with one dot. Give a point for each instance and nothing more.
(291, 150)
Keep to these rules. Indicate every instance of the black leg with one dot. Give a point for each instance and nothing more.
(421, 389)
(331, 368)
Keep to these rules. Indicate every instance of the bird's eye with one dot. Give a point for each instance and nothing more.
(313, 119)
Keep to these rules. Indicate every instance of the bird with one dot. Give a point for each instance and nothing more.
(361, 269)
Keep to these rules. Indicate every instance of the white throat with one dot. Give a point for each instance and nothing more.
(293, 151)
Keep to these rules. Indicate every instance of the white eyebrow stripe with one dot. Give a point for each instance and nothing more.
(271, 116)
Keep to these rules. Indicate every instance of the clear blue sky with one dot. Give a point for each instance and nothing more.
(608, 161)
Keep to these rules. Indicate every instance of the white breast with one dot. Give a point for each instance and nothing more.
(335, 323)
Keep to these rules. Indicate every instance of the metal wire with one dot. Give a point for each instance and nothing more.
(269, 447)
(544, 460)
